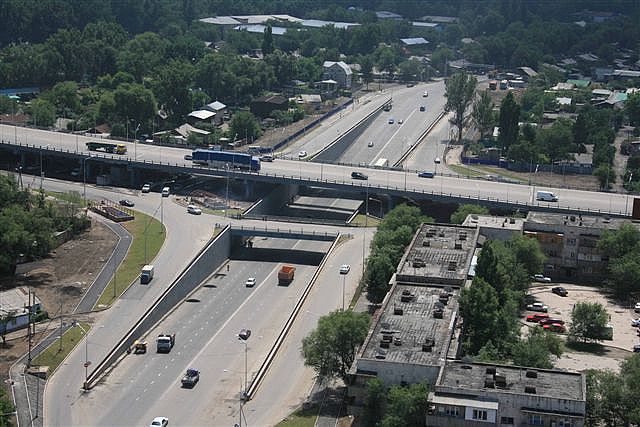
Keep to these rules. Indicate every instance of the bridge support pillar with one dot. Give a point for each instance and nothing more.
(248, 189)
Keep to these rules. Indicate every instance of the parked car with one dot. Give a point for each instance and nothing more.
(391, 121)
(126, 202)
(345, 268)
(359, 175)
(194, 210)
(537, 317)
(541, 278)
(551, 321)
(422, 108)
(554, 327)
(635, 322)
(637, 307)
(244, 334)
(426, 175)
(251, 282)
(146, 188)
(559, 290)
(188, 157)
(267, 158)
(537, 306)
(160, 422)
(636, 348)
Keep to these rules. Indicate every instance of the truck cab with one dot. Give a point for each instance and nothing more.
(147, 274)
(165, 343)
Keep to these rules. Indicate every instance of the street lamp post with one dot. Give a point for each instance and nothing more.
(344, 277)
(85, 386)
(226, 199)
(135, 142)
(84, 177)
(244, 341)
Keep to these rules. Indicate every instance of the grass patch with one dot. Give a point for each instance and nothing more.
(465, 171)
(72, 197)
(361, 219)
(586, 347)
(220, 212)
(500, 172)
(135, 258)
(301, 418)
(53, 355)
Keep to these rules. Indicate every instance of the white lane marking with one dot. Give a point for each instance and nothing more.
(391, 139)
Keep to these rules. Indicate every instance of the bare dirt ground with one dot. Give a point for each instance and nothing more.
(61, 278)
(613, 352)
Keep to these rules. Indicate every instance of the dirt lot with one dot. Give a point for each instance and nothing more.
(624, 335)
(61, 278)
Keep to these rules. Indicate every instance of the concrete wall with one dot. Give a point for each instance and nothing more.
(272, 203)
(209, 259)
(337, 149)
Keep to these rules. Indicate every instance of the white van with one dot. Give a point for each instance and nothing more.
(546, 196)
(147, 274)
(165, 192)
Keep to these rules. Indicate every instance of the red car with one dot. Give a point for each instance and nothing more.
(537, 317)
(554, 327)
(551, 321)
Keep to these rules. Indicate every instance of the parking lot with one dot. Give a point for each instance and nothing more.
(624, 335)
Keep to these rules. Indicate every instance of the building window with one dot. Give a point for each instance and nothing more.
(449, 411)
(565, 423)
(535, 420)
(507, 421)
(479, 414)
(571, 242)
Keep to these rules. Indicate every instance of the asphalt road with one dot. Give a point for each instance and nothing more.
(390, 140)
(145, 386)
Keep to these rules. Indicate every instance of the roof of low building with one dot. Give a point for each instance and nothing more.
(440, 19)
(202, 114)
(272, 99)
(15, 300)
(185, 129)
(344, 66)
(425, 24)
(220, 20)
(215, 106)
(538, 382)
(318, 23)
(259, 29)
(414, 41)
(384, 14)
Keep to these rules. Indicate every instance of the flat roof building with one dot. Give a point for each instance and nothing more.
(467, 394)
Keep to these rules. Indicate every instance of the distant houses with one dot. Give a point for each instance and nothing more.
(339, 72)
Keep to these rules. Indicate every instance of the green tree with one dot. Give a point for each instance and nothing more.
(172, 88)
(632, 109)
(527, 253)
(143, 54)
(509, 118)
(6, 409)
(366, 69)
(406, 405)
(557, 141)
(386, 59)
(245, 125)
(267, 41)
(330, 348)
(459, 92)
(374, 403)
(588, 321)
(463, 211)
(134, 102)
(606, 176)
(7, 105)
(43, 113)
(478, 307)
(64, 96)
(410, 70)
(482, 115)
(536, 349)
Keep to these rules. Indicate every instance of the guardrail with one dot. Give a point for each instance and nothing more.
(400, 191)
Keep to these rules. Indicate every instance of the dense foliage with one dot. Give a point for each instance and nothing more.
(490, 306)
(27, 224)
(623, 249)
(395, 406)
(588, 321)
(394, 233)
(330, 348)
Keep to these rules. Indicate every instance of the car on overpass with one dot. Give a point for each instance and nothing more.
(244, 334)
(126, 202)
(302, 154)
(160, 422)
(146, 188)
(422, 108)
(359, 175)
(391, 121)
(251, 282)
(345, 268)
(426, 175)
(194, 210)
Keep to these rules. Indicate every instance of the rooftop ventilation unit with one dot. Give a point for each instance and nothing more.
(381, 354)
(531, 374)
(453, 266)
(458, 245)
(430, 232)
(418, 263)
(426, 243)
(530, 389)
(398, 311)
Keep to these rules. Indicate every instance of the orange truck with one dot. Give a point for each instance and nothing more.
(285, 275)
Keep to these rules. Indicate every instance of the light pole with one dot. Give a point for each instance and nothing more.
(135, 143)
(626, 199)
(344, 277)
(226, 199)
(244, 341)
(87, 362)
(41, 172)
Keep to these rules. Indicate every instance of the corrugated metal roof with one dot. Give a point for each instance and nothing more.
(413, 41)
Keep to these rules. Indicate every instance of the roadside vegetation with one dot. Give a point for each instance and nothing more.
(53, 355)
(148, 236)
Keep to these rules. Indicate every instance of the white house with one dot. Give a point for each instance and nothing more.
(14, 308)
(338, 71)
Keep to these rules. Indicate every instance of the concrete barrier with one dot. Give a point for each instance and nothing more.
(215, 253)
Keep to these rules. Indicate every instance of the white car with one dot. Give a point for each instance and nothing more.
(302, 154)
(345, 268)
(146, 188)
(194, 210)
(370, 144)
(400, 121)
(538, 306)
(160, 422)
(635, 322)
(541, 278)
(436, 160)
(251, 282)
(425, 94)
